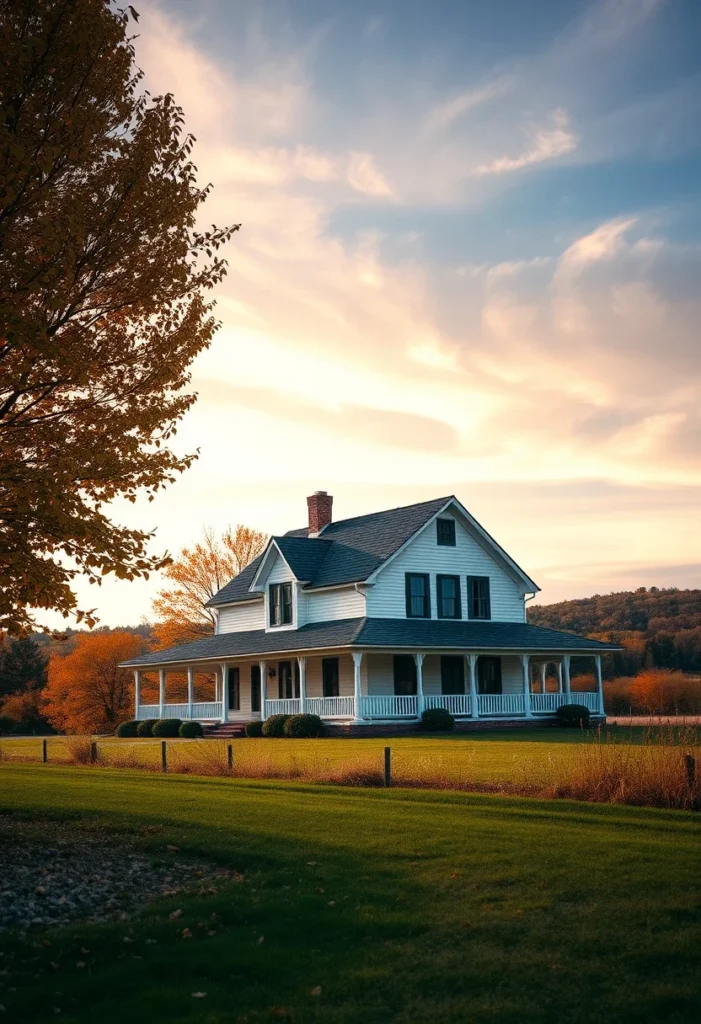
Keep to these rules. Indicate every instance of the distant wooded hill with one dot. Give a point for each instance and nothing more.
(657, 627)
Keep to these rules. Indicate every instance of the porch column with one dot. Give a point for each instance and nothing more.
(137, 692)
(566, 673)
(472, 676)
(302, 662)
(190, 690)
(357, 679)
(224, 694)
(263, 665)
(599, 681)
(543, 673)
(525, 666)
(559, 677)
(161, 692)
(419, 659)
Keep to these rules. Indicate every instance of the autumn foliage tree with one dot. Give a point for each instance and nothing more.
(87, 691)
(195, 576)
(103, 278)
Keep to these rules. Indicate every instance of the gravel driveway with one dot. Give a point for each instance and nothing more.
(52, 873)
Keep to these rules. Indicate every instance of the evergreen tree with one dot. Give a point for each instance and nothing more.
(22, 667)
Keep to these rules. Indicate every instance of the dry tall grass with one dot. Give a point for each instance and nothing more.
(661, 768)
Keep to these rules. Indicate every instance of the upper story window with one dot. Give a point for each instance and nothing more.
(445, 532)
(280, 604)
(478, 603)
(418, 595)
(448, 594)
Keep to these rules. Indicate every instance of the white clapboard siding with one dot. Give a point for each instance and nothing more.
(329, 605)
(239, 618)
(387, 598)
(280, 571)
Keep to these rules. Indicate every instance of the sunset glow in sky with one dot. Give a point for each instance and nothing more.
(469, 263)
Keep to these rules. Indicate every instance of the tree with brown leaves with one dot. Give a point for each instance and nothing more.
(103, 275)
(196, 575)
(87, 690)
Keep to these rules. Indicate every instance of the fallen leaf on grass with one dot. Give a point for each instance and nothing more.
(316, 991)
(187, 934)
(175, 915)
(198, 995)
(261, 938)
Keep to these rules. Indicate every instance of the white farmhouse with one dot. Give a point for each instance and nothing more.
(372, 620)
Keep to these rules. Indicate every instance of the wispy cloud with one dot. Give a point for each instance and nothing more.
(549, 142)
(444, 114)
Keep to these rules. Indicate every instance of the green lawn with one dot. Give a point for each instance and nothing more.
(495, 756)
(403, 906)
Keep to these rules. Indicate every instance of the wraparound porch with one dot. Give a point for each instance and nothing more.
(245, 689)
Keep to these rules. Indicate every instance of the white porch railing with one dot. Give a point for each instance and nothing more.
(331, 707)
(389, 707)
(501, 704)
(290, 706)
(456, 703)
(200, 712)
(548, 703)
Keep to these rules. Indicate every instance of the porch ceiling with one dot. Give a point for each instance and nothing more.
(414, 634)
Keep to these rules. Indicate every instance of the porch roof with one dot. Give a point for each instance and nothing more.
(414, 634)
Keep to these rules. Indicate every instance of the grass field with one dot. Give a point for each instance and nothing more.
(627, 764)
(403, 906)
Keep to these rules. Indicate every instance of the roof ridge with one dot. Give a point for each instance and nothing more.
(384, 511)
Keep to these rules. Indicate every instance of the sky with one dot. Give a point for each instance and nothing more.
(469, 263)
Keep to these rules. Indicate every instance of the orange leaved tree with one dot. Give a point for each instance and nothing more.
(665, 691)
(196, 575)
(87, 691)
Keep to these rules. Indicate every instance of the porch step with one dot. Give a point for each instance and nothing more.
(224, 730)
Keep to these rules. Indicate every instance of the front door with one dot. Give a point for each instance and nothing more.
(288, 679)
(488, 674)
(404, 675)
(234, 689)
(452, 674)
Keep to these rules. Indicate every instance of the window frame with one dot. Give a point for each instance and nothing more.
(441, 541)
(280, 603)
(408, 577)
(474, 599)
(330, 664)
(440, 612)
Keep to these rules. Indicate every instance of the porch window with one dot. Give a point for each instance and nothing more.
(255, 687)
(448, 593)
(488, 674)
(287, 680)
(418, 595)
(234, 685)
(445, 532)
(478, 602)
(452, 673)
(329, 677)
(280, 603)
(404, 675)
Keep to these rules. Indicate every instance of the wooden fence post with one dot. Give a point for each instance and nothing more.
(388, 766)
(44, 752)
(230, 756)
(93, 752)
(164, 757)
(690, 767)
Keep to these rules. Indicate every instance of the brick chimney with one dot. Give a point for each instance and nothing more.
(320, 506)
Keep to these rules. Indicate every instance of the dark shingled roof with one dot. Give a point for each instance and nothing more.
(367, 633)
(346, 552)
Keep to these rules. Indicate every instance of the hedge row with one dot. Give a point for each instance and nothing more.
(164, 728)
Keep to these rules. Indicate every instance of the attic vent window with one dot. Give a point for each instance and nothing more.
(445, 535)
